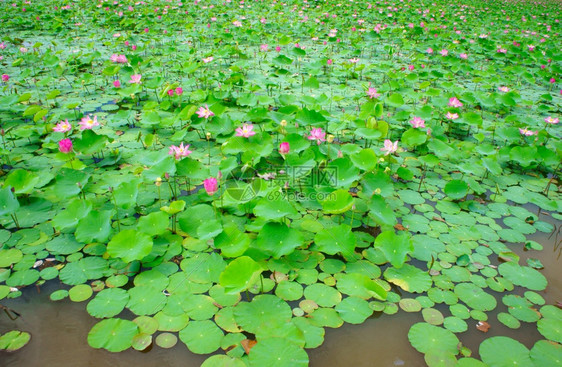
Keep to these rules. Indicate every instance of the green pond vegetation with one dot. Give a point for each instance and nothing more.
(241, 175)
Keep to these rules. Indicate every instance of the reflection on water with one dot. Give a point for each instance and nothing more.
(59, 331)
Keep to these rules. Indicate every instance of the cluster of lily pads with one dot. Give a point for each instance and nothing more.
(243, 175)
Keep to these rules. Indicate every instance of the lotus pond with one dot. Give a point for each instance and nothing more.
(237, 182)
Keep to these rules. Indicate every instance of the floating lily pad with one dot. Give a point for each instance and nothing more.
(240, 274)
(354, 310)
(545, 353)
(425, 338)
(166, 340)
(223, 361)
(508, 320)
(475, 297)
(108, 303)
(409, 278)
(277, 352)
(504, 351)
(201, 337)
(523, 276)
(115, 335)
(14, 340)
(80, 292)
(265, 311)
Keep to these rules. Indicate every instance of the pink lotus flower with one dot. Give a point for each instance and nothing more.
(317, 134)
(211, 185)
(411, 67)
(122, 59)
(429, 50)
(237, 23)
(372, 93)
(207, 60)
(87, 123)
(5, 77)
(463, 56)
(389, 147)
(444, 52)
(552, 80)
(65, 146)
(284, 148)
(354, 60)
(246, 131)
(417, 122)
(2, 45)
(527, 132)
(454, 102)
(114, 57)
(264, 47)
(170, 92)
(501, 50)
(531, 48)
(329, 61)
(63, 126)
(551, 120)
(135, 79)
(452, 116)
(179, 152)
(205, 112)
(117, 84)
(179, 91)
(503, 89)
(277, 48)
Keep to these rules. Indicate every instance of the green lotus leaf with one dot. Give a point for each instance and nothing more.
(545, 353)
(335, 240)
(14, 340)
(289, 291)
(395, 247)
(166, 340)
(8, 201)
(360, 285)
(337, 202)
(96, 226)
(9, 257)
(114, 334)
(240, 274)
(276, 239)
(277, 352)
(22, 181)
(201, 337)
(432, 316)
(264, 311)
(80, 292)
(354, 310)
(475, 297)
(523, 276)
(322, 295)
(409, 278)
(508, 320)
(221, 360)
(456, 189)
(274, 209)
(167, 322)
(147, 325)
(427, 338)
(504, 351)
(108, 303)
(154, 224)
(130, 245)
(145, 300)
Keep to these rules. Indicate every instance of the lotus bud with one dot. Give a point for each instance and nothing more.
(283, 123)
(158, 181)
(167, 175)
(340, 154)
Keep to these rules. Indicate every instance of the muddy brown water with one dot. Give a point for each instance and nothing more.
(59, 330)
